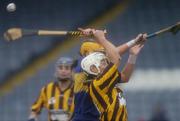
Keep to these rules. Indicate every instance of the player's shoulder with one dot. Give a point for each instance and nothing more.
(51, 83)
(108, 71)
(79, 79)
(48, 85)
(79, 76)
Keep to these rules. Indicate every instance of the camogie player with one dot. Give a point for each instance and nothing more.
(57, 96)
(87, 101)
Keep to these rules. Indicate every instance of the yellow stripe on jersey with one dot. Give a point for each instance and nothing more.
(56, 105)
(51, 95)
(113, 104)
(71, 102)
(68, 93)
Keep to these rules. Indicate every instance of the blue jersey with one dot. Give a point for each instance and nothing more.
(84, 109)
(78, 68)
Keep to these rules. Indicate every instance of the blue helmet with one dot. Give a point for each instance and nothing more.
(66, 61)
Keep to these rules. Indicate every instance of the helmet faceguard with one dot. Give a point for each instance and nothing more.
(66, 61)
(92, 61)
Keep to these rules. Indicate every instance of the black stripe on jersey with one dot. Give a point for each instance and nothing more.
(105, 116)
(113, 84)
(45, 91)
(72, 92)
(61, 99)
(98, 97)
(51, 106)
(119, 81)
(105, 70)
(107, 82)
(61, 95)
(115, 110)
(35, 110)
(70, 97)
(122, 114)
(110, 97)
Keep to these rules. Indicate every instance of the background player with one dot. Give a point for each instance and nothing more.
(57, 96)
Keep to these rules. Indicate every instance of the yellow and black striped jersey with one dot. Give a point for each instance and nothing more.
(55, 100)
(107, 97)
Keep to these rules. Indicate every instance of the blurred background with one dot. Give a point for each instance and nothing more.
(27, 64)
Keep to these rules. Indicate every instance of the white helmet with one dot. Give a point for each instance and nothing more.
(94, 59)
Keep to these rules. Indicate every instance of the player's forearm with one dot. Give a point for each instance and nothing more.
(111, 50)
(122, 49)
(126, 46)
(129, 68)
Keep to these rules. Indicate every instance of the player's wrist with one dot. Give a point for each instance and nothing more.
(132, 59)
(131, 43)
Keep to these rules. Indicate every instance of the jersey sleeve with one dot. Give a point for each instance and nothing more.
(40, 102)
(79, 78)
